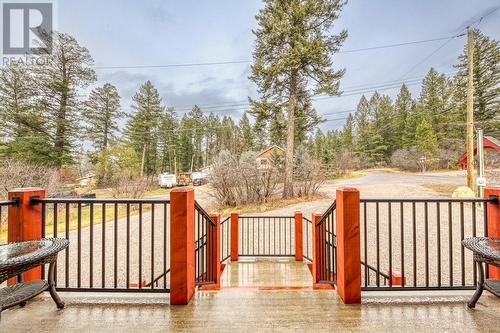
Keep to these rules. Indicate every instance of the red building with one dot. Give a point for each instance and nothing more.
(490, 144)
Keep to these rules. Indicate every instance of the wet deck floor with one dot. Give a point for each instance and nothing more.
(244, 307)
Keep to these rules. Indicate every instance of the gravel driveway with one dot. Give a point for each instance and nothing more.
(374, 184)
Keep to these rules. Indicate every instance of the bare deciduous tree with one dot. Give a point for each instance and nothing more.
(16, 173)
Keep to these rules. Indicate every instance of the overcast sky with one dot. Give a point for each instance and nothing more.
(156, 32)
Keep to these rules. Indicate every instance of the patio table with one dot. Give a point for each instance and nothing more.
(18, 257)
(486, 250)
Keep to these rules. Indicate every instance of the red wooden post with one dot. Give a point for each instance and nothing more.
(25, 223)
(493, 224)
(316, 264)
(299, 251)
(348, 245)
(213, 246)
(234, 236)
(182, 263)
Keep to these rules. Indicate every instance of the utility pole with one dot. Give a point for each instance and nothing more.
(480, 154)
(470, 111)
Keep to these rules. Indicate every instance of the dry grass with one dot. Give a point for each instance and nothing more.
(270, 205)
(352, 175)
(446, 189)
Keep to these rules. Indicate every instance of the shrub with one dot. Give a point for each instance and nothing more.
(126, 185)
(238, 181)
(17, 173)
(308, 174)
(406, 158)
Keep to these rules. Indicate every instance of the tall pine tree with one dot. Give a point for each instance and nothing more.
(294, 47)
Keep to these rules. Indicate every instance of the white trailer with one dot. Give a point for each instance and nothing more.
(167, 180)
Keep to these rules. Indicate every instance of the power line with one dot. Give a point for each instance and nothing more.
(449, 39)
(232, 62)
(430, 55)
(380, 86)
(394, 45)
(216, 63)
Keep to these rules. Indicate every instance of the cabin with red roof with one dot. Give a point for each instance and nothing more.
(491, 152)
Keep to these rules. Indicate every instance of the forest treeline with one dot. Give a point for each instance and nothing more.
(46, 121)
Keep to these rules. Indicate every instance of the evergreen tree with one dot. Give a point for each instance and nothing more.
(425, 139)
(435, 99)
(58, 82)
(167, 141)
(348, 132)
(142, 127)
(212, 147)
(247, 135)
(402, 109)
(24, 129)
(486, 80)
(294, 47)
(101, 112)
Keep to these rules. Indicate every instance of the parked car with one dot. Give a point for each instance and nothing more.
(167, 180)
(199, 178)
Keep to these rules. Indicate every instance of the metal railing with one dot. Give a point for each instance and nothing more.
(225, 239)
(416, 243)
(4, 206)
(205, 246)
(115, 244)
(266, 236)
(327, 246)
(307, 243)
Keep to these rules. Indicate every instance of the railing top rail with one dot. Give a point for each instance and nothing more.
(306, 219)
(330, 209)
(99, 201)
(410, 200)
(14, 201)
(225, 220)
(200, 209)
(266, 217)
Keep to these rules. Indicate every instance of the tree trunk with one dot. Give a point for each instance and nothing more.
(292, 102)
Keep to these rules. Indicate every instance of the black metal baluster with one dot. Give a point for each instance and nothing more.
(401, 205)
(438, 236)
(366, 245)
(275, 237)
(152, 245)
(474, 235)
(128, 245)
(258, 236)
(462, 254)
(389, 211)
(450, 240)
(54, 225)
(103, 246)
(43, 233)
(115, 245)
(426, 248)
(414, 245)
(91, 256)
(165, 217)
(140, 246)
(279, 235)
(79, 244)
(377, 228)
(66, 268)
